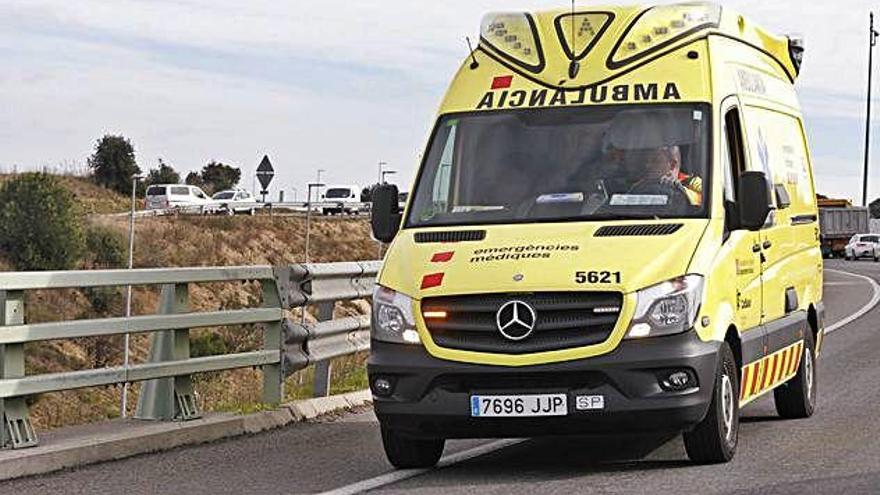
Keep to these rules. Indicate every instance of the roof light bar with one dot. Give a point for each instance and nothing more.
(660, 26)
(513, 35)
(587, 29)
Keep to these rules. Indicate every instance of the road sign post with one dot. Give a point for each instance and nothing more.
(265, 173)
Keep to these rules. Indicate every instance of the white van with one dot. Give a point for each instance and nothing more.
(180, 196)
(341, 199)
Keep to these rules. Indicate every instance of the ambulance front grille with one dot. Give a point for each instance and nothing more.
(563, 320)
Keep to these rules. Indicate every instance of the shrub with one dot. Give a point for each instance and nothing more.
(207, 344)
(40, 222)
(106, 248)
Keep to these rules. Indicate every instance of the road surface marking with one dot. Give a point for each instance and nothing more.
(403, 474)
(875, 298)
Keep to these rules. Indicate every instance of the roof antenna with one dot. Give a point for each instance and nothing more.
(474, 64)
(574, 67)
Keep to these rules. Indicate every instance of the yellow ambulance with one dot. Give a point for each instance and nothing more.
(613, 230)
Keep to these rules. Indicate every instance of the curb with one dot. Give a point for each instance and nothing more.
(118, 439)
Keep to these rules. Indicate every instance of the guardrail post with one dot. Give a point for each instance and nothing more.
(16, 429)
(169, 398)
(273, 379)
(321, 386)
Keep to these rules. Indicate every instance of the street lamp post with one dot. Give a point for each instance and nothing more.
(314, 185)
(127, 353)
(872, 41)
(320, 185)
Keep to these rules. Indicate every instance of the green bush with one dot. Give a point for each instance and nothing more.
(106, 248)
(103, 300)
(207, 344)
(40, 223)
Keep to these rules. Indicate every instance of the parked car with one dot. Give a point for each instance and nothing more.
(234, 201)
(401, 200)
(341, 199)
(179, 196)
(862, 246)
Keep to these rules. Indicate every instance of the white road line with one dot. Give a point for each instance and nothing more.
(402, 474)
(875, 298)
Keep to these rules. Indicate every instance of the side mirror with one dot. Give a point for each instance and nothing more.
(755, 201)
(386, 213)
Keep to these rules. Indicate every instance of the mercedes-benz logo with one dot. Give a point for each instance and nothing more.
(515, 320)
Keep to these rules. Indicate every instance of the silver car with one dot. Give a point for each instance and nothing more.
(863, 246)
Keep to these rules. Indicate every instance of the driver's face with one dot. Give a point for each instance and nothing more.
(648, 164)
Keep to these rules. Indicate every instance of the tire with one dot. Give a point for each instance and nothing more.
(715, 438)
(407, 452)
(796, 398)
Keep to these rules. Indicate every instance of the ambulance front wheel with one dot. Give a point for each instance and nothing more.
(797, 397)
(406, 452)
(714, 439)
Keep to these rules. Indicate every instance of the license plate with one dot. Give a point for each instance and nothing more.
(515, 406)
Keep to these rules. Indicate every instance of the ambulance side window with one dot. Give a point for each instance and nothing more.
(733, 157)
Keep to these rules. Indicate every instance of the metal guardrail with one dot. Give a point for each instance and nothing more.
(288, 345)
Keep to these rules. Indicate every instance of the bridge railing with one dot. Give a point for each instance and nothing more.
(289, 344)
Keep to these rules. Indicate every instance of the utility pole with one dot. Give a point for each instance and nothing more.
(872, 41)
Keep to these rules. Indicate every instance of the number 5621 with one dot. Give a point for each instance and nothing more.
(597, 277)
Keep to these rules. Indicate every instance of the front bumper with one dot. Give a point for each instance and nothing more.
(431, 397)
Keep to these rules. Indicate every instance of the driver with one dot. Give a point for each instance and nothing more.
(663, 165)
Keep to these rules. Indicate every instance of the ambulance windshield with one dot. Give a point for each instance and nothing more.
(565, 164)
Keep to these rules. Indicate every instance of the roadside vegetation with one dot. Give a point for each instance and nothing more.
(70, 236)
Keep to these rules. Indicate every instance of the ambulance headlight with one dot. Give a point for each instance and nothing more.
(392, 319)
(513, 34)
(662, 25)
(667, 308)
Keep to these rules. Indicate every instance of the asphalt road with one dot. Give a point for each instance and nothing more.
(837, 450)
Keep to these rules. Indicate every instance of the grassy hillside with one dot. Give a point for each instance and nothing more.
(91, 197)
(187, 241)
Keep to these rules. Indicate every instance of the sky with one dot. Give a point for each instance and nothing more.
(316, 86)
